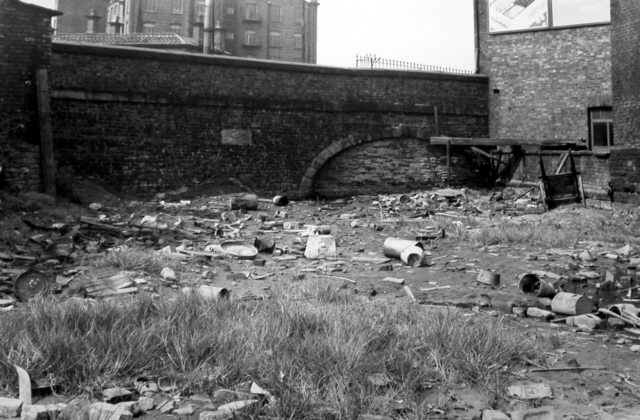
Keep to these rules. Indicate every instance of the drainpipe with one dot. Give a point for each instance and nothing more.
(304, 31)
(268, 29)
(476, 39)
(208, 27)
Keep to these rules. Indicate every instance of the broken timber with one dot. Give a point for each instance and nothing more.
(559, 189)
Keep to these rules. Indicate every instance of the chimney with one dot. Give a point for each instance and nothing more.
(197, 29)
(92, 21)
(218, 38)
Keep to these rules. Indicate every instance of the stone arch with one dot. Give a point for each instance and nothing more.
(352, 140)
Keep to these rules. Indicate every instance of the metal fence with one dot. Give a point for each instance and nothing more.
(372, 61)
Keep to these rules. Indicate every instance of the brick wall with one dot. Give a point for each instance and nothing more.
(625, 158)
(405, 164)
(541, 86)
(626, 71)
(542, 82)
(146, 121)
(25, 40)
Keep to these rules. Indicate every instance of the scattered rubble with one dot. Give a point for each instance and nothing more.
(388, 246)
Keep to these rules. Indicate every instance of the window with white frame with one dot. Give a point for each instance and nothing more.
(299, 17)
(229, 35)
(297, 41)
(275, 40)
(231, 10)
(250, 38)
(600, 128)
(200, 8)
(177, 7)
(176, 28)
(148, 27)
(251, 11)
(150, 5)
(275, 13)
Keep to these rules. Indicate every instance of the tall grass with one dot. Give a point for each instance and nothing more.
(314, 350)
(137, 258)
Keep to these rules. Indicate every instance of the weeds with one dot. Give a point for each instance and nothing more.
(137, 259)
(314, 350)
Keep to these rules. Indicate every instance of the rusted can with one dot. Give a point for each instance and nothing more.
(31, 284)
(280, 200)
(209, 292)
(571, 304)
(530, 283)
(412, 256)
(488, 277)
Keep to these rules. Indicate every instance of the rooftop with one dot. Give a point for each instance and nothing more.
(166, 40)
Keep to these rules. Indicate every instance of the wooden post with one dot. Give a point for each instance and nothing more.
(46, 136)
(449, 163)
(436, 121)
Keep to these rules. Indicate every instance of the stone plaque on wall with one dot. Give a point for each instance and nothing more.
(236, 137)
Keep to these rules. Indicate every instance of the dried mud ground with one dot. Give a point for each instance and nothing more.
(482, 231)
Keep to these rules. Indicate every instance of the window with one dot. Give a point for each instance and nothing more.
(275, 13)
(297, 41)
(601, 127)
(231, 10)
(229, 35)
(579, 12)
(251, 11)
(149, 27)
(176, 28)
(200, 9)
(250, 39)
(177, 7)
(517, 15)
(151, 5)
(299, 18)
(275, 40)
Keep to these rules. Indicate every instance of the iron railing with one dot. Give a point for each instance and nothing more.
(372, 61)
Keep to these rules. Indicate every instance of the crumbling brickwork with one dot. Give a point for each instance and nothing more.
(146, 121)
(25, 45)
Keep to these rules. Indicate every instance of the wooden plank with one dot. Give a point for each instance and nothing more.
(565, 156)
(478, 141)
(448, 163)
(46, 136)
(487, 155)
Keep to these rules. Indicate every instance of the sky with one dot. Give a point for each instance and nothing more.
(433, 32)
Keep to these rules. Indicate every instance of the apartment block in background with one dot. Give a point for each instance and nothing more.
(283, 30)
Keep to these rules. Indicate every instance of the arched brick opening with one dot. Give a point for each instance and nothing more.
(398, 132)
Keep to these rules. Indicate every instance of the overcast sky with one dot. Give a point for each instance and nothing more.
(436, 32)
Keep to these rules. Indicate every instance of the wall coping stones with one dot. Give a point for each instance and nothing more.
(185, 57)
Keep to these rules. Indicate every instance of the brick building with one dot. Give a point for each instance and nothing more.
(270, 29)
(550, 69)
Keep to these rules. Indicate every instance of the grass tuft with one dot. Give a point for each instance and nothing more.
(137, 259)
(315, 355)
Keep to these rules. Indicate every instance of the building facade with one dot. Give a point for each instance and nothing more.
(549, 65)
(81, 16)
(269, 29)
